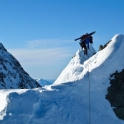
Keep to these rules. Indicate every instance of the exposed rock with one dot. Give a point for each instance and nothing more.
(116, 93)
(101, 47)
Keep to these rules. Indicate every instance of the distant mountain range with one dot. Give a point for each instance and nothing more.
(44, 82)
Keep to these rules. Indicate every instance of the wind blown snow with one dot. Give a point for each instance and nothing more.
(76, 97)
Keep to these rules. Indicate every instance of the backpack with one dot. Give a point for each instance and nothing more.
(91, 39)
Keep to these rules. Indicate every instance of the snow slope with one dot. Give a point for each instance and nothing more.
(12, 75)
(76, 97)
(73, 70)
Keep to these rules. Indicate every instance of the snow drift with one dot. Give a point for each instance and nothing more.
(76, 97)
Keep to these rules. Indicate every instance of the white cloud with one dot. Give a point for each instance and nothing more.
(34, 43)
(47, 43)
(41, 56)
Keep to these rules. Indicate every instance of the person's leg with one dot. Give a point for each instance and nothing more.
(85, 49)
(87, 41)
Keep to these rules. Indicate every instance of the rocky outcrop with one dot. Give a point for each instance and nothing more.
(101, 47)
(116, 93)
(12, 75)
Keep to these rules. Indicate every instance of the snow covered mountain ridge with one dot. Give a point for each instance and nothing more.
(78, 96)
(100, 59)
(12, 75)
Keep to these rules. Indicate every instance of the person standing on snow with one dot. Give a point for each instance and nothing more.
(85, 40)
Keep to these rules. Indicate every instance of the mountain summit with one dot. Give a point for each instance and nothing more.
(12, 75)
(107, 60)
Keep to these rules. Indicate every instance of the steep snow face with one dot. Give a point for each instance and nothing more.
(74, 69)
(12, 75)
(106, 62)
(43, 82)
(77, 96)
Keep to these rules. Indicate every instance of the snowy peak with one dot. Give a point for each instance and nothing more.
(43, 82)
(116, 44)
(2, 47)
(12, 75)
(109, 57)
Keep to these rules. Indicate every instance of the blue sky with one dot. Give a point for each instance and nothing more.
(41, 33)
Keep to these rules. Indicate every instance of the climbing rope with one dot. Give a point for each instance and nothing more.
(88, 73)
(89, 94)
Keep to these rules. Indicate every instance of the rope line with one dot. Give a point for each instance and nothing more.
(89, 95)
(89, 89)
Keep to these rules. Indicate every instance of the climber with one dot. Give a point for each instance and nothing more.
(85, 40)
